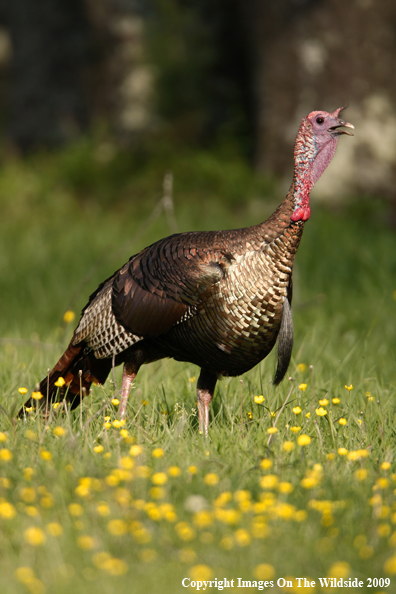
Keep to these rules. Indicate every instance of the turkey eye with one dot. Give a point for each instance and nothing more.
(319, 120)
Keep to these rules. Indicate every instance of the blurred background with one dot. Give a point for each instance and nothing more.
(101, 99)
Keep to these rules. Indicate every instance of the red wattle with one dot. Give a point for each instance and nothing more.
(301, 214)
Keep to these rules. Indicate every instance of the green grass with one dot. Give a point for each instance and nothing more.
(321, 510)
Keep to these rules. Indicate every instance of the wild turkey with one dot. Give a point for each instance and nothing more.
(217, 299)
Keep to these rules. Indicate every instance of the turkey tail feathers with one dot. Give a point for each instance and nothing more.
(285, 342)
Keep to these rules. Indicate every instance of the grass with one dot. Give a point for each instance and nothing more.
(87, 505)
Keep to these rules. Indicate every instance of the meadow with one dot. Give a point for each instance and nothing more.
(293, 482)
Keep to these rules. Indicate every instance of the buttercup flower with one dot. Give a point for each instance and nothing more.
(37, 395)
(303, 440)
(34, 536)
(158, 453)
(68, 316)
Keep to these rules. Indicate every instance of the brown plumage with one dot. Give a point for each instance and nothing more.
(218, 299)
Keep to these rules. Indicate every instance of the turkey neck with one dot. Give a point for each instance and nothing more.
(281, 221)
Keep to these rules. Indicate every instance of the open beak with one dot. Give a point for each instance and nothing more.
(336, 131)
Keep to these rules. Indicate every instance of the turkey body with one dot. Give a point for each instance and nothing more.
(214, 299)
(218, 299)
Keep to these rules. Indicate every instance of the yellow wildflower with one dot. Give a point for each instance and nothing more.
(54, 529)
(250, 415)
(321, 412)
(301, 367)
(147, 555)
(59, 431)
(68, 316)
(265, 571)
(117, 527)
(22, 390)
(158, 453)
(117, 423)
(296, 410)
(242, 537)
(37, 395)
(187, 556)
(285, 487)
(227, 543)
(269, 481)
(336, 401)
(382, 483)
(136, 450)
(192, 469)
(361, 474)
(75, 509)
(7, 510)
(28, 494)
(28, 473)
(98, 449)
(25, 575)
(339, 570)
(6, 455)
(174, 471)
(211, 479)
(357, 454)
(203, 518)
(159, 478)
(342, 451)
(288, 446)
(383, 530)
(115, 402)
(266, 463)
(272, 430)
(349, 388)
(309, 482)
(184, 531)
(302, 387)
(303, 440)
(295, 429)
(34, 536)
(86, 542)
(308, 415)
(59, 382)
(45, 455)
(385, 466)
(390, 565)
(201, 573)
(323, 402)
(342, 421)
(259, 399)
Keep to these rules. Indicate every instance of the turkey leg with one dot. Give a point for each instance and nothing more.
(205, 390)
(128, 375)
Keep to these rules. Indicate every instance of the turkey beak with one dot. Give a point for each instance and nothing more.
(335, 130)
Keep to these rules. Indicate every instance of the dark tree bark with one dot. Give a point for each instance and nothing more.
(50, 45)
